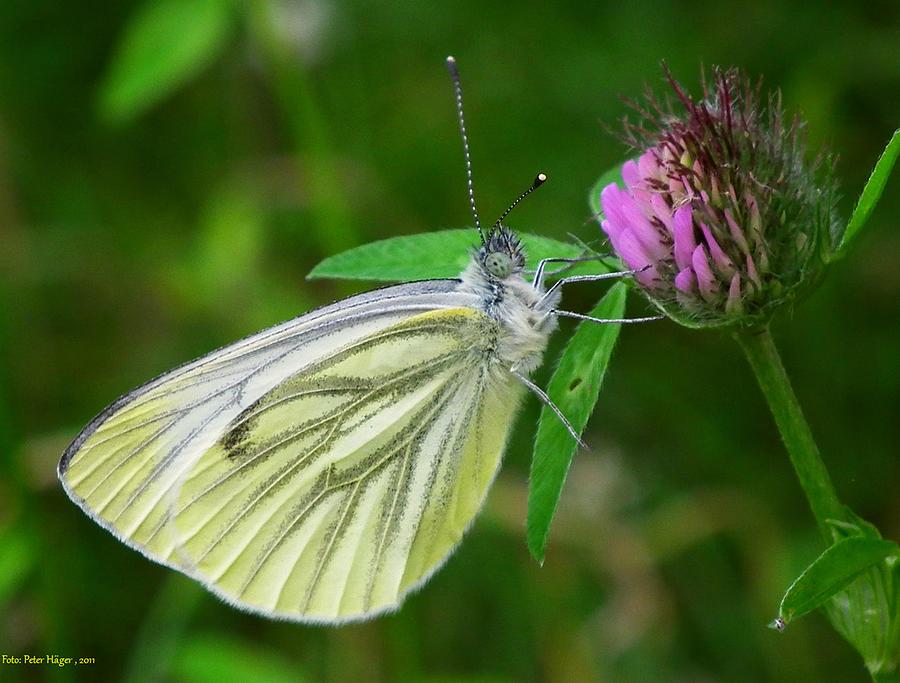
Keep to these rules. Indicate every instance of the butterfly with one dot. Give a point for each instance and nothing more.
(322, 469)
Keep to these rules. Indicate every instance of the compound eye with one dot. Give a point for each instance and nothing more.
(498, 264)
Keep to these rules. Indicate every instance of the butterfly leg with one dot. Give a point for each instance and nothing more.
(591, 278)
(538, 279)
(547, 401)
(603, 321)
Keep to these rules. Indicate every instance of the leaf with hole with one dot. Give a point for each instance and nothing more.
(574, 388)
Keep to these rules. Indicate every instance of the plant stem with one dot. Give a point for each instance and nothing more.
(886, 677)
(760, 350)
(308, 127)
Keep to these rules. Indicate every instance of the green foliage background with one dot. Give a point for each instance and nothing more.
(170, 173)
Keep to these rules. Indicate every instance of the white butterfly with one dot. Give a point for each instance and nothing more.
(322, 469)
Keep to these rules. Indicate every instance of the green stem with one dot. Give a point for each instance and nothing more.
(760, 350)
(886, 677)
(308, 128)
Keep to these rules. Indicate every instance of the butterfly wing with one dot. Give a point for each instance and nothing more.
(317, 471)
(345, 487)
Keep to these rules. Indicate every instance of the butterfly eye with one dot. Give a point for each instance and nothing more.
(498, 264)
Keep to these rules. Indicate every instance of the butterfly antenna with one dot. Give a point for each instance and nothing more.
(539, 180)
(457, 87)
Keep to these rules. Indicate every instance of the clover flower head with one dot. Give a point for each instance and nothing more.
(721, 209)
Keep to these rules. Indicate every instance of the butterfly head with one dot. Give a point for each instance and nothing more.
(502, 253)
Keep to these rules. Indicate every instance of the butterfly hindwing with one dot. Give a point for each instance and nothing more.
(317, 471)
(348, 484)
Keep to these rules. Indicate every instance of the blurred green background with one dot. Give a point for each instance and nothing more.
(171, 169)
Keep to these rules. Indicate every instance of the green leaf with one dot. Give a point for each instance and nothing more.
(866, 611)
(574, 388)
(871, 193)
(165, 44)
(833, 570)
(437, 254)
(613, 175)
(217, 658)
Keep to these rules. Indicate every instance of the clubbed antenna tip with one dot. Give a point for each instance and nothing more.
(539, 180)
